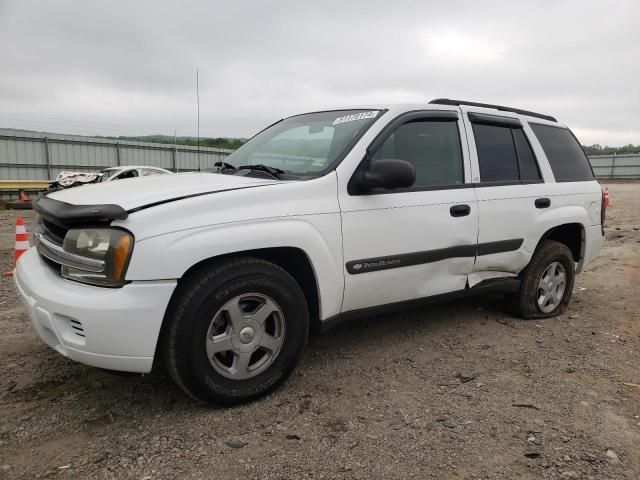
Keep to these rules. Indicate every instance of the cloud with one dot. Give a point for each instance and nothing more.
(129, 67)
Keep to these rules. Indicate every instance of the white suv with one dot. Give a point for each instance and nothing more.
(319, 218)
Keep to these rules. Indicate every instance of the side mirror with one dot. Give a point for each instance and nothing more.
(387, 173)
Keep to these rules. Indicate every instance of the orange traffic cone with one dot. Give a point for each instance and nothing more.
(23, 196)
(607, 200)
(21, 246)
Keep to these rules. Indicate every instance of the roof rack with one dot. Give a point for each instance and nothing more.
(447, 101)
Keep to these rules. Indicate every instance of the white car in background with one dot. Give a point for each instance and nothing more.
(131, 171)
(67, 179)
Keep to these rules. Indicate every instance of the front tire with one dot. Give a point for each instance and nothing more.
(235, 330)
(547, 282)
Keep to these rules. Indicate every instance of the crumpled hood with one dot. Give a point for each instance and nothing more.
(134, 193)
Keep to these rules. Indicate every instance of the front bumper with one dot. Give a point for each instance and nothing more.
(111, 328)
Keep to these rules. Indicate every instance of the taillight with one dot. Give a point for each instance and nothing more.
(603, 211)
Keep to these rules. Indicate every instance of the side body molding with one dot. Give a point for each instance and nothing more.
(355, 267)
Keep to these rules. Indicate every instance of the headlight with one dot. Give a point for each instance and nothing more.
(107, 248)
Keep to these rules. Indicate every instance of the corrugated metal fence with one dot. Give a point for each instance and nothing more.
(612, 166)
(26, 156)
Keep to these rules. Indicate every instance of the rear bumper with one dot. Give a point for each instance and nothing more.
(593, 243)
(111, 328)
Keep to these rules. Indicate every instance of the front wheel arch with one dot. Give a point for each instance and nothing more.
(293, 260)
(188, 318)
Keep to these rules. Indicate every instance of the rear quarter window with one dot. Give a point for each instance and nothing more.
(566, 157)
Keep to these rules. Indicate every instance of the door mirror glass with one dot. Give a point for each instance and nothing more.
(388, 173)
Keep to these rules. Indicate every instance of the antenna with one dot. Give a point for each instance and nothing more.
(175, 151)
(198, 103)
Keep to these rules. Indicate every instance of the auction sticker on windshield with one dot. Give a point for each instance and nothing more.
(355, 116)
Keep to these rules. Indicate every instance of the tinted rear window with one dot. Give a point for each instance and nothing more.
(496, 153)
(568, 161)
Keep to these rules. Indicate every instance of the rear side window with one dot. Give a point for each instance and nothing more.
(526, 159)
(568, 161)
(504, 154)
(432, 147)
(496, 153)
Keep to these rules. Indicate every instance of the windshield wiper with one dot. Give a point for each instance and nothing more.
(274, 172)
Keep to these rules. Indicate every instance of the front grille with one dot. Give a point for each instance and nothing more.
(53, 232)
(54, 265)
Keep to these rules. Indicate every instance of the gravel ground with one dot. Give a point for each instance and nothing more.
(459, 390)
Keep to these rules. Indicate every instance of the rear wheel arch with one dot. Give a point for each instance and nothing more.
(535, 288)
(570, 234)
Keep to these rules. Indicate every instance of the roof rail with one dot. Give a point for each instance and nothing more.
(446, 101)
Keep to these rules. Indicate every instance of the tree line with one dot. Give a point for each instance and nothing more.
(220, 142)
(598, 149)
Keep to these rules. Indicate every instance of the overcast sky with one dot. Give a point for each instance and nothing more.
(130, 67)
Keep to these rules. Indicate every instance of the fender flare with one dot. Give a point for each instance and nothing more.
(184, 249)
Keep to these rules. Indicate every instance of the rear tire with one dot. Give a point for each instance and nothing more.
(547, 282)
(234, 331)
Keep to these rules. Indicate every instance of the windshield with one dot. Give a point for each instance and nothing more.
(106, 174)
(305, 145)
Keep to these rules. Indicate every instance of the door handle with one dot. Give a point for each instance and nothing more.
(543, 203)
(460, 210)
